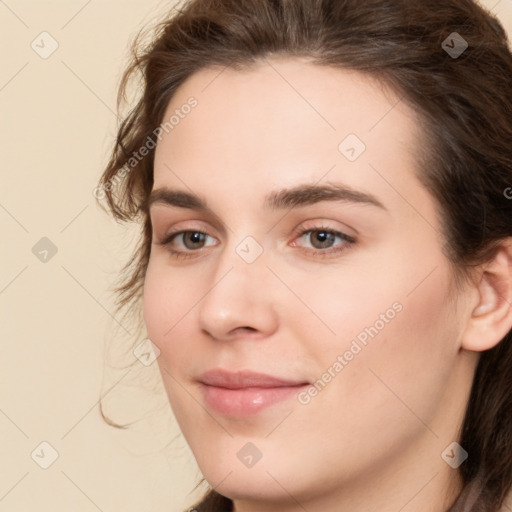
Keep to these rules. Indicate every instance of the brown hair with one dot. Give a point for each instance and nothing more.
(464, 102)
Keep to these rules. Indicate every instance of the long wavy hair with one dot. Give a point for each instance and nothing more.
(465, 106)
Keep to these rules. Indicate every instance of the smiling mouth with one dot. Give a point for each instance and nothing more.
(247, 401)
(245, 393)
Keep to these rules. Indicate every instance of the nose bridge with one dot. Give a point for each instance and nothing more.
(242, 258)
(237, 295)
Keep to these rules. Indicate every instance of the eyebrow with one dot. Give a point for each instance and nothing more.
(298, 196)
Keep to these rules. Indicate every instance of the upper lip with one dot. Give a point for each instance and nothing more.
(245, 379)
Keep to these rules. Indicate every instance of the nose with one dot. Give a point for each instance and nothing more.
(238, 299)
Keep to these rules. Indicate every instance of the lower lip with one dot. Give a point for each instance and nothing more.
(246, 401)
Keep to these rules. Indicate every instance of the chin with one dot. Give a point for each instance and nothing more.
(246, 485)
(265, 480)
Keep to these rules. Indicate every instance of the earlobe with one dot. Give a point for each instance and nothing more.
(491, 317)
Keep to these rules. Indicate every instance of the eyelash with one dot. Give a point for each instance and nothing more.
(348, 241)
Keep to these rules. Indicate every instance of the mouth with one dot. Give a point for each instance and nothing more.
(246, 393)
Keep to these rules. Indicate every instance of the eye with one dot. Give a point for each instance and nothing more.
(191, 241)
(323, 240)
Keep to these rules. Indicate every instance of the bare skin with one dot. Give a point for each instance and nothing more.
(372, 439)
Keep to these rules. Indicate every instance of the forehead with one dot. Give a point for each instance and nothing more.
(287, 120)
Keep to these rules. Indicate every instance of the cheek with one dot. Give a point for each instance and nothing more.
(166, 302)
(169, 301)
(392, 325)
(397, 366)
(396, 302)
(153, 304)
(161, 307)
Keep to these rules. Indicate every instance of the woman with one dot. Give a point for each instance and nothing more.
(326, 261)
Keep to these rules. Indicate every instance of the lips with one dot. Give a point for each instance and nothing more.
(245, 393)
(245, 379)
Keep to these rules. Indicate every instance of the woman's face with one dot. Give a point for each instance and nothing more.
(320, 265)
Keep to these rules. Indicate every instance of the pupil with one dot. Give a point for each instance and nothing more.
(195, 238)
(323, 238)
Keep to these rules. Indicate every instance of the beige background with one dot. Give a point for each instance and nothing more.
(57, 124)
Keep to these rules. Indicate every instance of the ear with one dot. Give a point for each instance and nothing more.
(491, 315)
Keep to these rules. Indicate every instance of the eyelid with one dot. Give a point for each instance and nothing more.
(321, 225)
(332, 252)
(299, 232)
(168, 238)
(195, 226)
(164, 216)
